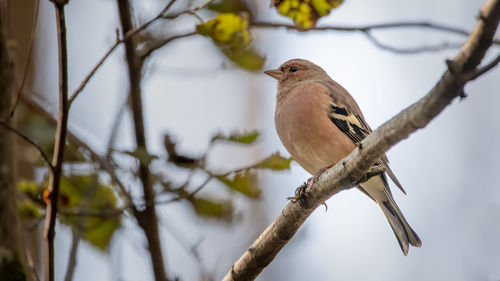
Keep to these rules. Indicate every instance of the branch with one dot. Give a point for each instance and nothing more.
(349, 170)
(147, 218)
(57, 159)
(30, 141)
(366, 30)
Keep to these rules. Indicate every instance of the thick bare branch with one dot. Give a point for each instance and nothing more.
(57, 159)
(147, 218)
(349, 170)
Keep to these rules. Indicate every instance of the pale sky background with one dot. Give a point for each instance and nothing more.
(190, 90)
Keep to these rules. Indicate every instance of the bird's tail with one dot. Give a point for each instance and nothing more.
(376, 188)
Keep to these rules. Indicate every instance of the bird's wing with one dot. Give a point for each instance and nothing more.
(346, 115)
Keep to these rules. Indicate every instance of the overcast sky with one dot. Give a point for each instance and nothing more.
(449, 168)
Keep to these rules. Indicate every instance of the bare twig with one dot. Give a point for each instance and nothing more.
(29, 255)
(115, 127)
(118, 41)
(30, 141)
(154, 45)
(57, 159)
(93, 70)
(480, 71)
(412, 50)
(28, 60)
(75, 242)
(28, 100)
(366, 30)
(349, 170)
(77, 212)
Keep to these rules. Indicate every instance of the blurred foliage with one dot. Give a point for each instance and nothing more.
(305, 13)
(230, 33)
(274, 162)
(228, 6)
(213, 208)
(78, 193)
(244, 138)
(85, 192)
(176, 158)
(243, 182)
(29, 210)
(142, 155)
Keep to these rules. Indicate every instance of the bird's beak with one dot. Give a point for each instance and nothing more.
(275, 73)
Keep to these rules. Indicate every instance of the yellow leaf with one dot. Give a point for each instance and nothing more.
(305, 13)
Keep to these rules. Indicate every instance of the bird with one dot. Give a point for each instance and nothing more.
(319, 123)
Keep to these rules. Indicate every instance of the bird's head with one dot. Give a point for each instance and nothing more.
(296, 70)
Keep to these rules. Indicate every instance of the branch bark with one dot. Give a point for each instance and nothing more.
(349, 170)
(57, 159)
(147, 218)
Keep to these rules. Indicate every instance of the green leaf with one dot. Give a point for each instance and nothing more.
(244, 138)
(305, 13)
(274, 162)
(205, 207)
(100, 231)
(142, 155)
(243, 182)
(248, 59)
(228, 6)
(85, 192)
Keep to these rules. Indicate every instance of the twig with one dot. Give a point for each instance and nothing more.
(413, 50)
(118, 41)
(28, 60)
(77, 212)
(93, 71)
(349, 170)
(366, 29)
(114, 128)
(29, 256)
(57, 159)
(30, 141)
(152, 46)
(75, 241)
(480, 71)
(102, 161)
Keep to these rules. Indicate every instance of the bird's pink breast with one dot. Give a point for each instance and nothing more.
(306, 131)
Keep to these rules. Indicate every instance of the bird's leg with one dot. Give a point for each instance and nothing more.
(301, 190)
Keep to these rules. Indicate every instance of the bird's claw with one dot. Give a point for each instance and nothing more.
(299, 192)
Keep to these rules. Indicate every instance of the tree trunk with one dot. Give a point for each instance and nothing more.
(11, 253)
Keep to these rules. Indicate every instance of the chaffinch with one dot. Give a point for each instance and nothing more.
(320, 123)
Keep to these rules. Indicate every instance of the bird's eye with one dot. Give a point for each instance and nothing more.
(293, 69)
